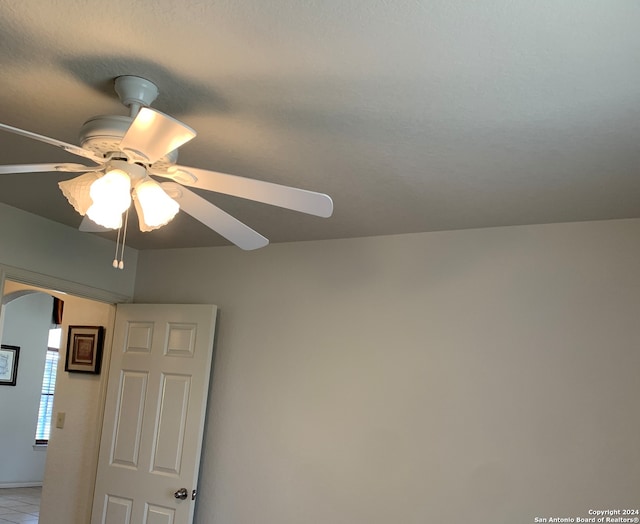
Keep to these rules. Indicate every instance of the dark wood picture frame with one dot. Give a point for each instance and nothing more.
(9, 356)
(84, 349)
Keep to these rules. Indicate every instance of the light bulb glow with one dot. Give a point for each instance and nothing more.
(105, 216)
(111, 196)
(157, 207)
(112, 190)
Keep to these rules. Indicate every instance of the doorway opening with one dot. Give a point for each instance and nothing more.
(66, 409)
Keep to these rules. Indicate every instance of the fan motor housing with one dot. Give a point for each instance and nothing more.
(102, 135)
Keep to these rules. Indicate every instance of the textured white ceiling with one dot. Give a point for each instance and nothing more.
(414, 116)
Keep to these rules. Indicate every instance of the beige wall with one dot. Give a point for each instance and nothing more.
(72, 452)
(485, 376)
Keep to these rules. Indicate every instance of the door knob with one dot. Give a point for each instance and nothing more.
(181, 494)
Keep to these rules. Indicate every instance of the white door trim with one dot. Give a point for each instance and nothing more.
(59, 284)
(32, 278)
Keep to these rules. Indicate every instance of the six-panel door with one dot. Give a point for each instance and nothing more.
(154, 414)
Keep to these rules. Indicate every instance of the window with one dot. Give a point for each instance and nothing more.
(48, 387)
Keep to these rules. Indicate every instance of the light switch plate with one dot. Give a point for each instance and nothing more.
(60, 419)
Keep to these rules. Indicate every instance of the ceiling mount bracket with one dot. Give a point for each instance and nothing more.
(135, 92)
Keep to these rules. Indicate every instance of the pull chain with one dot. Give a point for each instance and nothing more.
(115, 258)
(124, 239)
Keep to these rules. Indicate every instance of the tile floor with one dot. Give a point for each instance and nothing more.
(20, 505)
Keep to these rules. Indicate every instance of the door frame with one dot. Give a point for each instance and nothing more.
(49, 282)
(59, 284)
(32, 278)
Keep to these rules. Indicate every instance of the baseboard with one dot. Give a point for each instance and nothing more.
(20, 484)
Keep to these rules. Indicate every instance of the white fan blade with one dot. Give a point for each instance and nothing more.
(310, 202)
(89, 226)
(69, 148)
(46, 168)
(153, 134)
(213, 217)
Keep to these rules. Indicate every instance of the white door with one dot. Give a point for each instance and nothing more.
(154, 414)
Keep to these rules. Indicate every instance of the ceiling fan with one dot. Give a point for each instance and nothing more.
(129, 150)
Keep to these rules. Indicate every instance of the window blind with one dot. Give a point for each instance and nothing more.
(46, 398)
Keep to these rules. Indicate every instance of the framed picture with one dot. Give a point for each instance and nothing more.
(84, 349)
(9, 365)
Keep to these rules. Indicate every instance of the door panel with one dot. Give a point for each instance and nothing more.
(117, 510)
(158, 515)
(181, 340)
(171, 423)
(154, 413)
(139, 337)
(128, 427)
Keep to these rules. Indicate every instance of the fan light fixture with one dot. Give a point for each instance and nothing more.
(104, 198)
(126, 151)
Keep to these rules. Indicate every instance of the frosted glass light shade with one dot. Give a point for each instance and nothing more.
(77, 191)
(105, 216)
(155, 208)
(111, 196)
